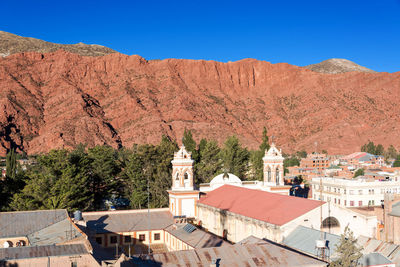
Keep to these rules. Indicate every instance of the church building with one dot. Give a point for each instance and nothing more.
(184, 194)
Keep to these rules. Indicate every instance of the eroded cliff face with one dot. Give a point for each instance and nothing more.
(60, 99)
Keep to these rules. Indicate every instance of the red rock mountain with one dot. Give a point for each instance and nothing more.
(60, 99)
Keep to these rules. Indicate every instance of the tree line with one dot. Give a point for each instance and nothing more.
(82, 178)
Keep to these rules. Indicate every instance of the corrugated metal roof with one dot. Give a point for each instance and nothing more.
(389, 250)
(265, 254)
(42, 251)
(198, 238)
(304, 239)
(115, 221)
(373, 259)
(57, 233)
(264, 206)
(23, 223)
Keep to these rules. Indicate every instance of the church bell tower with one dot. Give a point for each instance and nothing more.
(273, 167)
(183, 196)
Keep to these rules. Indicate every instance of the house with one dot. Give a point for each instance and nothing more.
(47, 255)
(358, 192)
(42, 237)
(136, 230)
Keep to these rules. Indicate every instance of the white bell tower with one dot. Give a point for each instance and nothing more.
(183, 196)
(273, 167)
(182, 170)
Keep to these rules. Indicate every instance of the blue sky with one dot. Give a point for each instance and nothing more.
(296, 32)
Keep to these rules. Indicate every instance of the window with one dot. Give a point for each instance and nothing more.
(335, 200)
(345, 202)
(127, 239)
(113, 239)
(99, 240)
(157, 236)
(360, 192)
(186, 176)
(360, 203)
(344, 191)
(351, 192)
(142, 237)
(338, 201)
(74, 264)
(351, 203)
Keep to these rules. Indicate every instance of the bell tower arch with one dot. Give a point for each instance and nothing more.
(273, 167)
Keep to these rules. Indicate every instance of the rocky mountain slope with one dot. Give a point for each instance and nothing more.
(60, 99)
(12, 44)
(337, 65)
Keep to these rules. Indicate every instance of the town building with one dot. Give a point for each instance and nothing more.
(134, 231)
(315, 161)
(391, 219)
(362, 159)
(357, 192)
(43, 238)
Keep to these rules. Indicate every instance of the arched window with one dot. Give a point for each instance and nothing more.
(330, 222)
(186, 176)
(177, 176)
(277, 176)
(269, 174)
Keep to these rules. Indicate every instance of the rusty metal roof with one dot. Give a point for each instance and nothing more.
(259, 254)
(127, 221)
(198, 238)
(42, 251)
(23, 223)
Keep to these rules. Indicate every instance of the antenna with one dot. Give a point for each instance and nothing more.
(321, 243)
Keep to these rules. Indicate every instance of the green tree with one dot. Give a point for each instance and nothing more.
(11, 164)
(396, 163)
(135, 177)
(359, 172)
(162, 180)
(369, 148)
(301, 154)
(234, 157)
(348, 251)
(210, 163)
(391, 152)
(290, 162)
(59, 180)
(379, 150)
(13, 182)
(256, 157)
(190, 144)
(103, 173)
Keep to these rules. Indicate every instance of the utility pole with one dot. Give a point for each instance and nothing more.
(148, 214)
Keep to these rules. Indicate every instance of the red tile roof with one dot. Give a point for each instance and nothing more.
(264, 206)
